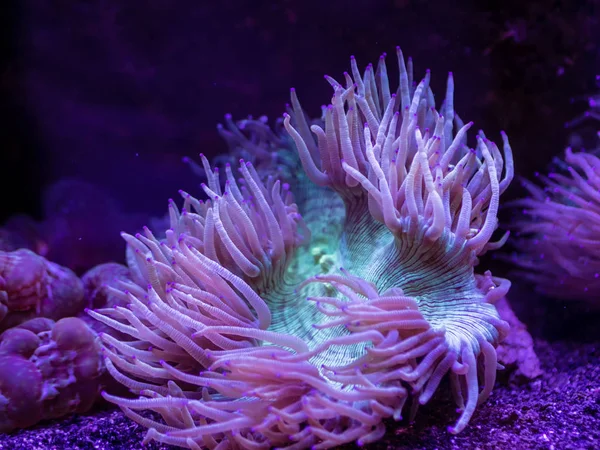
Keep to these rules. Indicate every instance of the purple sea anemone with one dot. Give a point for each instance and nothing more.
(559, 233)
(268, 319)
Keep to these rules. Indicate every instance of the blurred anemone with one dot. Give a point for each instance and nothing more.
(305, 312)
(559, 231)
(593, 111)
(558, 228)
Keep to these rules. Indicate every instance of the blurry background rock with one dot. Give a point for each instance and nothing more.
(79, 228)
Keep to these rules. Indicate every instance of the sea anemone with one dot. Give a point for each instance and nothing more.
(558, 233)
(558, 224)
(268, 319)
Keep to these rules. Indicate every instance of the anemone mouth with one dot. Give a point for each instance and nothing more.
(259, 322)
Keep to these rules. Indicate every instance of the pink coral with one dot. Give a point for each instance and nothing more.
(55, 369)
(31, 286)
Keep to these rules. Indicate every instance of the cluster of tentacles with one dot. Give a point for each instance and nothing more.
(558, 224)
(559, 229)
(268, 319)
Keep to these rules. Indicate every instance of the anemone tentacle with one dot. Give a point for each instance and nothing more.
(259, 321)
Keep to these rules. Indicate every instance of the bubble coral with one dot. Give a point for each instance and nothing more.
(31, 286)
(261, 321)
(54, 370)
(97, 284)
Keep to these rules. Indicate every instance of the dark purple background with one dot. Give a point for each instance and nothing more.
(115, 95)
